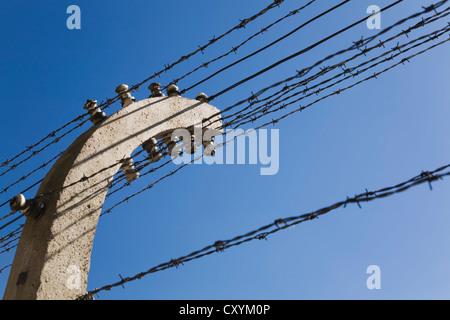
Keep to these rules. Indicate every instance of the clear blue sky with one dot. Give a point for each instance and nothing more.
(375, 135)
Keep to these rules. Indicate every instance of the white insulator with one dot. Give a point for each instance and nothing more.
(125, 96)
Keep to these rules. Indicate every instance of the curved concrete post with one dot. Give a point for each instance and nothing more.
(53, 255)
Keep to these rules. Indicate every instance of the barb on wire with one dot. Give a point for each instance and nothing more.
(8, 249)
(36, 152)
(9, 242)
(11, 234)
(23, 178)
(48, 136)
(2, 269)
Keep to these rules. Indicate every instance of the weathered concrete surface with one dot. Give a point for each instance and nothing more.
(53, 255)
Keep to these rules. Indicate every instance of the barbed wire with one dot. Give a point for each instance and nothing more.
(50, 135)
(12, 221)
(58, 138)
(265, 109)
(17, 232)
(324, 13)
(301, 108)
(273, 122)
(2, 269)
(24, 177)
(292, 12)
(170, 174)
(295, 11)
(241, 25)
(428, 20)
(389, 28)
(150, 186)
(255, 97)
(382, 43)
(8, 249)
(282, 224)
(304, 82)
(36, 152)
(235, 48)
(302, 72)
(12, 234)
(298, 53)
(108, 102)
(82, 179)
(85, 178)
(243, 22)
(274, 4)
(10, 241)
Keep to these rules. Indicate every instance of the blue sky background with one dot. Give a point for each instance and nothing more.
(374, 135)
